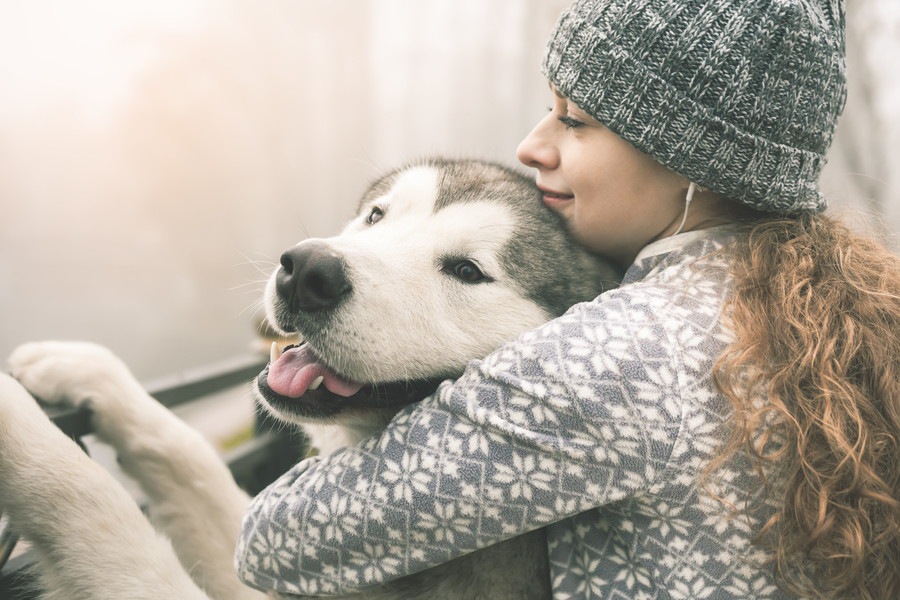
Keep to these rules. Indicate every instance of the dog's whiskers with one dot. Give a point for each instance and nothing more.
(255, 306)
(258, 282)
(255, 263)
(370, 162)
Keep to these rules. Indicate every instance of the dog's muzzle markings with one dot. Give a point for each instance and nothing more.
(313, 278)
(450, 255)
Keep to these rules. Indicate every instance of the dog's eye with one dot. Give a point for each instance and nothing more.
(466, 270)
(375, 215)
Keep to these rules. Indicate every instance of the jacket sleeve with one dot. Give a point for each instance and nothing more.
(581, 412)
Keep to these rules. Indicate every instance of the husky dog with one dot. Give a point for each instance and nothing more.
(445, 261)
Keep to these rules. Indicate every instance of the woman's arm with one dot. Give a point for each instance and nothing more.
(581, 412)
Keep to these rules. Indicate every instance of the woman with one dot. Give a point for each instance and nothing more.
(725, 424)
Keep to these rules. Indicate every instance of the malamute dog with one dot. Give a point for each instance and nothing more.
(445, 260)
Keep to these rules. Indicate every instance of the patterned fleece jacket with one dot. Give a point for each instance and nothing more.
(595, 425)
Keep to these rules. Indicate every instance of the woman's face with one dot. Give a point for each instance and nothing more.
(615, 199)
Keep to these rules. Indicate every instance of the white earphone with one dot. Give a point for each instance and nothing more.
(693, 187)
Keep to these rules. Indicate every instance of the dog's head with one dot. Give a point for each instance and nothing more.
(444, 261)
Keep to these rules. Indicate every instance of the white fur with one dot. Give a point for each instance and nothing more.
(400, 293)
(326, 438)
(92, 540)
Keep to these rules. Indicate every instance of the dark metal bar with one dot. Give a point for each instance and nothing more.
(194, 383)
(171, 390)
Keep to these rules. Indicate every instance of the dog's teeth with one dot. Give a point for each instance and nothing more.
(274, 352)
(316, 382)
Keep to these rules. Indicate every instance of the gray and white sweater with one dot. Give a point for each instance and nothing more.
(595, 425)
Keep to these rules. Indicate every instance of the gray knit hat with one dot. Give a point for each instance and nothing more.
(739, 96)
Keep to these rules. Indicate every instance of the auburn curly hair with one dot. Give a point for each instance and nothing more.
(816, 315)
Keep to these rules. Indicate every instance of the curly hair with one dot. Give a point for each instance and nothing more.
(815, 311)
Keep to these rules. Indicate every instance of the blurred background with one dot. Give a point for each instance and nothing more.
(156, 156)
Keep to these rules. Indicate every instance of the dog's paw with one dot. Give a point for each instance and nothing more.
(22, 422)
(74, 373)
(13, 397)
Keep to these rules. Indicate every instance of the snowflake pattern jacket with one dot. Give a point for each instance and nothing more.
(595, 425)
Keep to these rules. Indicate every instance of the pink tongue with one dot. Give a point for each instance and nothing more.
(292, 374)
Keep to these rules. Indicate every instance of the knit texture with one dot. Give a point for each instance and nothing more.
(596, 425)
(740, 96)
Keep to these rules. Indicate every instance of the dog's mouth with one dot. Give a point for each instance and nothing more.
(299, 383)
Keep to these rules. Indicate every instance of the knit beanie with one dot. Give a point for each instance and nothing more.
(739, 96)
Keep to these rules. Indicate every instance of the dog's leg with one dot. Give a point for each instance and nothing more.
(193, 498)
(92, 541)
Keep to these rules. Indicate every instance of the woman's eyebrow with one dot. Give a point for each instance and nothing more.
(555, 90)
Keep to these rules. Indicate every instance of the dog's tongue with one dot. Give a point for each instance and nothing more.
(294, 371)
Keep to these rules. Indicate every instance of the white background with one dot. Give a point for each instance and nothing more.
(156, 156)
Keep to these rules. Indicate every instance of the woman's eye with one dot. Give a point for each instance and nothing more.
(569, 122)
(466, 271)
(375, 215)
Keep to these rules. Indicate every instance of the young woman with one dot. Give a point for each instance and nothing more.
(726, 423)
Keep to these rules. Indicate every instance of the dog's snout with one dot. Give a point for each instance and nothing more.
(312, 277)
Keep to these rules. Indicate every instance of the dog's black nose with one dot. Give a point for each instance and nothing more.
(312, 277)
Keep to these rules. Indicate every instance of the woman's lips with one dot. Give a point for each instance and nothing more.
(555, 199)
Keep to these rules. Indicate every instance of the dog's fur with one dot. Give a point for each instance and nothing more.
(445, 261)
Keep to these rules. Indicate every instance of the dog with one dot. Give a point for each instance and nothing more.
(444, 261)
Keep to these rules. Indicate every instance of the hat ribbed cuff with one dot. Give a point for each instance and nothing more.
(685, 136)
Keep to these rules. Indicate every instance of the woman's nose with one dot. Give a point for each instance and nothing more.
(537, 150)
